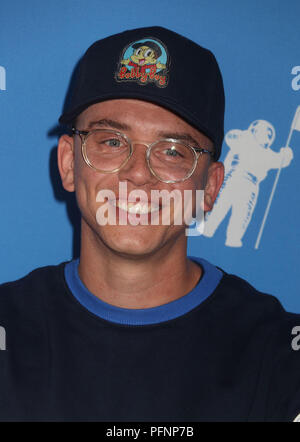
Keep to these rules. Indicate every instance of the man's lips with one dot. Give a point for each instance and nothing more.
(138, 208)
(142, 61)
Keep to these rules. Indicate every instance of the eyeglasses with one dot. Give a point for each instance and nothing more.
(169, 160)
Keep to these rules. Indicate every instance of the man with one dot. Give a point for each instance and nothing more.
(135, 330)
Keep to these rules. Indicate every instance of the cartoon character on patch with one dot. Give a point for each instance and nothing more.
(143, 61)
(145, 56)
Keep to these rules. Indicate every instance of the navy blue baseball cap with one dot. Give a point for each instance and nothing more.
(157, 65)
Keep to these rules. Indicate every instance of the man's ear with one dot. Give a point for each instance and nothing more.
(215, 177)
(65, 159)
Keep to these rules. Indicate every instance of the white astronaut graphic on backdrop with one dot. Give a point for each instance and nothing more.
(247, 163)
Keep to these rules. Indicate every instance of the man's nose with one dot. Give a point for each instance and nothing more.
(136, 169)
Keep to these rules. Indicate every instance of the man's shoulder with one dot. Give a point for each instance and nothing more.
(25, 305)
(25, 289)
(40, 273)
(242, 296)
(236, 286)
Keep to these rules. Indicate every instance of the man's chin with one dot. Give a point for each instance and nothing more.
(131, 250)
(132, 240)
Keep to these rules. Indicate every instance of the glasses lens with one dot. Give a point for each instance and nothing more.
(107, 150)
(171, 160)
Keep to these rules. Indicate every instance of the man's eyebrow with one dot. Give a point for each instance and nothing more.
(106, 122)
(183, 136)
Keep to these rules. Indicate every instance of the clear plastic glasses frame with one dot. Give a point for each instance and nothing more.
(196, 151)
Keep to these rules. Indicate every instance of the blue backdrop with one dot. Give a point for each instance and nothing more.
(257, 47)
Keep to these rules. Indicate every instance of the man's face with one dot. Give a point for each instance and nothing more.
(145, 123)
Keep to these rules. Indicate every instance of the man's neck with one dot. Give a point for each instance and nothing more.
(137, 282)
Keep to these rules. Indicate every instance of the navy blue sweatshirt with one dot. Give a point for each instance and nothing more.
(222, 352)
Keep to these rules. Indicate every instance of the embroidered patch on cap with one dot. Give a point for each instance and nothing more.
(144, 61)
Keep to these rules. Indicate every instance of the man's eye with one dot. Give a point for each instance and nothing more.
(113, 142)
(172, 153)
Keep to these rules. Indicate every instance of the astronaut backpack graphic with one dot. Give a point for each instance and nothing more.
(247, 164)
(144, 61)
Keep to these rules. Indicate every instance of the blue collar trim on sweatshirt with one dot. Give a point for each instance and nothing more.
(210, 279)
